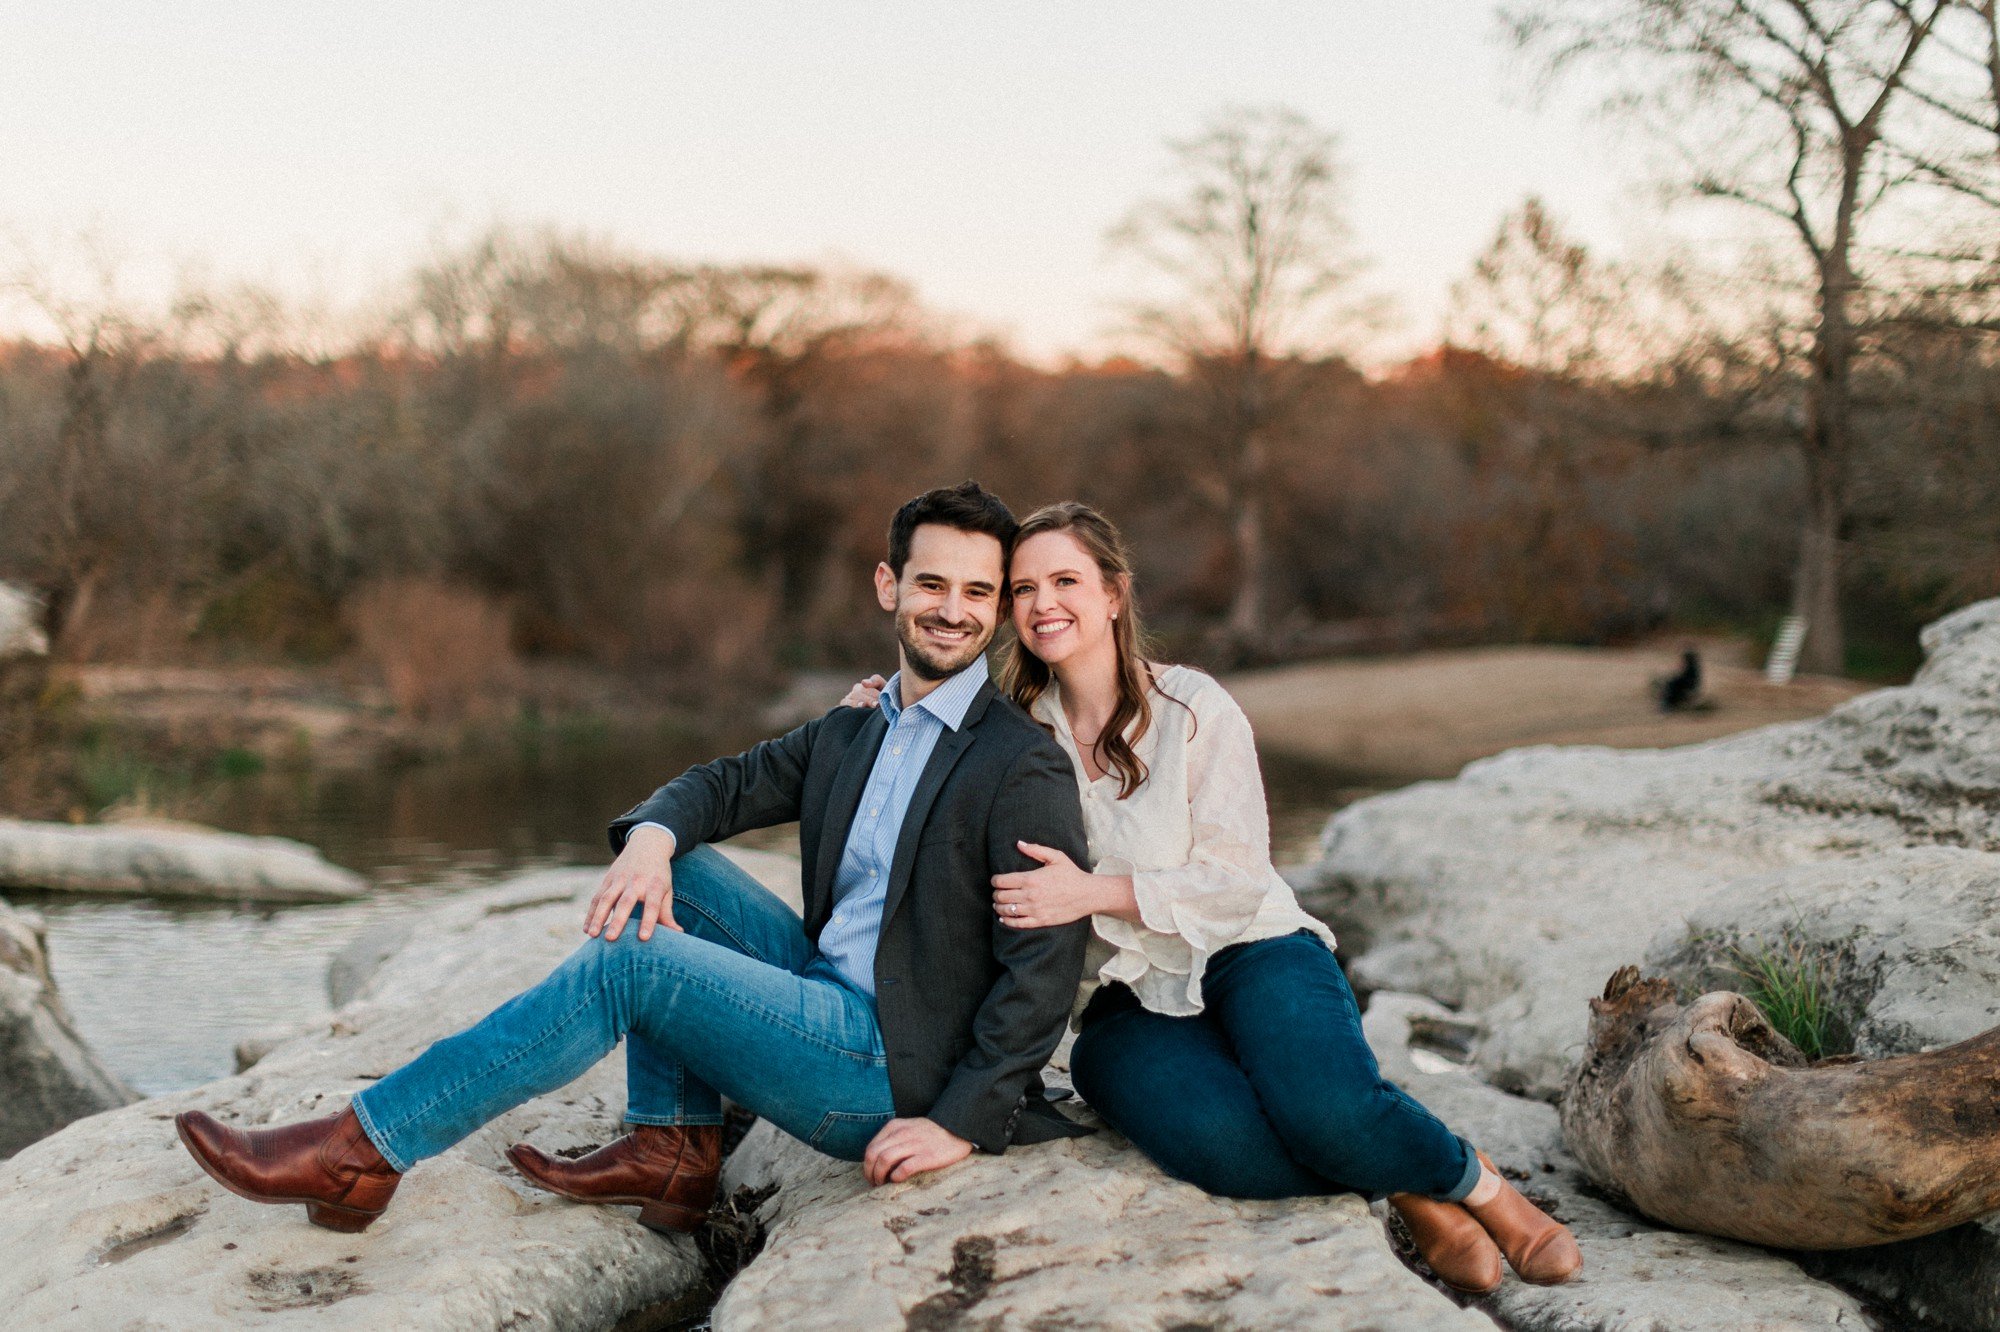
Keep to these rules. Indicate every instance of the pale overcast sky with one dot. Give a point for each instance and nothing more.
(979, 150)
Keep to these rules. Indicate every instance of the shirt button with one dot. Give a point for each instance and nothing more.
(898, 749)
(875, 811)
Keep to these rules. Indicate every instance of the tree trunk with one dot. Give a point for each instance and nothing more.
(1247, 625)
(69, 605)
(1247, 628)
(1816, 591)
(76, 557)
(1828, 447)
(1705, 1118)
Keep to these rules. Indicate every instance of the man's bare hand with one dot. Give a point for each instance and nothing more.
(906, 1147)
(643, 872)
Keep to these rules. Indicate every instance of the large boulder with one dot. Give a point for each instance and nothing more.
(1083, 1233)
(48, 1076)
(1087, 1233)
(1514, 891)
(110, 1223)
(158, 861)
(1865, 842)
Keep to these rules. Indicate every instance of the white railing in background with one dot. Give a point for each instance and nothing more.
(1784, 659)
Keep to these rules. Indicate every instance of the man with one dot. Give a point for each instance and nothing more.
(899, 1024)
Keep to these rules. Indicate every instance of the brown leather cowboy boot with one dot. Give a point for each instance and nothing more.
(669, 1172)
(1538, 1247)
(1452, 1243)
(327, 1164)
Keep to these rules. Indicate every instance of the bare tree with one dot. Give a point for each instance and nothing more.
(74, 527)
(1960, 88)
(1797, 111)
(756, 312)
(1260, 258)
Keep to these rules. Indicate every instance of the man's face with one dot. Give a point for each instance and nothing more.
(947, 602)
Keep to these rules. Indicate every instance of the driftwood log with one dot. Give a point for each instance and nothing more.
(1705, 1118)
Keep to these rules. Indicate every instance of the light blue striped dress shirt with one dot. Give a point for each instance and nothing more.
(861, 884)
(862, 881)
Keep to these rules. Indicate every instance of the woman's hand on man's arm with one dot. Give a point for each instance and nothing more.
(866, 693)
(1059, 892)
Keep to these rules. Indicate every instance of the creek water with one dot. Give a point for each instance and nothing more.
(165, 990)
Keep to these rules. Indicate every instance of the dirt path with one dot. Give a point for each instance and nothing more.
(1430, 714)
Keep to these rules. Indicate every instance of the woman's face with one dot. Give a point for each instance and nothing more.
(1062, 608)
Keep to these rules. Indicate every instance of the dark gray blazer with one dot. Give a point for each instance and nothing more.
(970, 1008)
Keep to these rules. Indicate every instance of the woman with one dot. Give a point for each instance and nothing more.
(1217, 1032)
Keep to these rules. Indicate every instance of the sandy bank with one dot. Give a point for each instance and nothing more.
(1430, 714)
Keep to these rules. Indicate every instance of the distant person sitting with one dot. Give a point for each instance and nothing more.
(898, 1024)
(1681, 692)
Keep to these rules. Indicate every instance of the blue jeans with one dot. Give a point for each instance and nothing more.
(740, 1004)
(1269, 1092)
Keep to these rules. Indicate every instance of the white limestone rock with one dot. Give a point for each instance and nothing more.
(1514, 891)
(168, 862)
(363, 955)
(111, 1224)
(48, 1076)
(1083, 1233)
(1909, 938)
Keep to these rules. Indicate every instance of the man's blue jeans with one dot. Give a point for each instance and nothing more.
(1270, 1091)
(740, 1004)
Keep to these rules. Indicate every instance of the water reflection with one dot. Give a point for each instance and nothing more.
(165, 990)
(532, 796)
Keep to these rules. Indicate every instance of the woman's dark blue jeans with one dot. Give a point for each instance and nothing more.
(1270, 1091)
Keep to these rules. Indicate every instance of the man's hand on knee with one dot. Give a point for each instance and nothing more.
(906, 1147)
(642, 874)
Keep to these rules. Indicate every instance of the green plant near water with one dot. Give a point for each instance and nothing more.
(108, 774)
(1792, 983)
(237, 763)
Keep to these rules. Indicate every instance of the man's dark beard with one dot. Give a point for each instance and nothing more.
(917, 653)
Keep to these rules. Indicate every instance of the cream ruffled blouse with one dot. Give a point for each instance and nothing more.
(1196, 839)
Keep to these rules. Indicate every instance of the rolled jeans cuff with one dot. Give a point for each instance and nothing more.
(674, 1120)
(1469, 1181)
(396, 1160)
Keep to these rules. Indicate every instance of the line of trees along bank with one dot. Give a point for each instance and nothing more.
(655, 467)
(555, 447)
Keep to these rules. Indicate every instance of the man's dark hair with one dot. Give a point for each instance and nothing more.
(965, 506)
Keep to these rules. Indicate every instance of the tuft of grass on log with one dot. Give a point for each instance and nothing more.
(1791, 983)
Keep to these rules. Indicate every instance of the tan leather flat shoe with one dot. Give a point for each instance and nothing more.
(1539, 1248)
(1452, 1243)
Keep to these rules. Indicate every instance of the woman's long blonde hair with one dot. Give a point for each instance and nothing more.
(1025, 677)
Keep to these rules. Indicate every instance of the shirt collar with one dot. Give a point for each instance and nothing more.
(948, 702)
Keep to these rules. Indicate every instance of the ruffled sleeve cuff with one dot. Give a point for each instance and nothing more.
(1156, 903)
